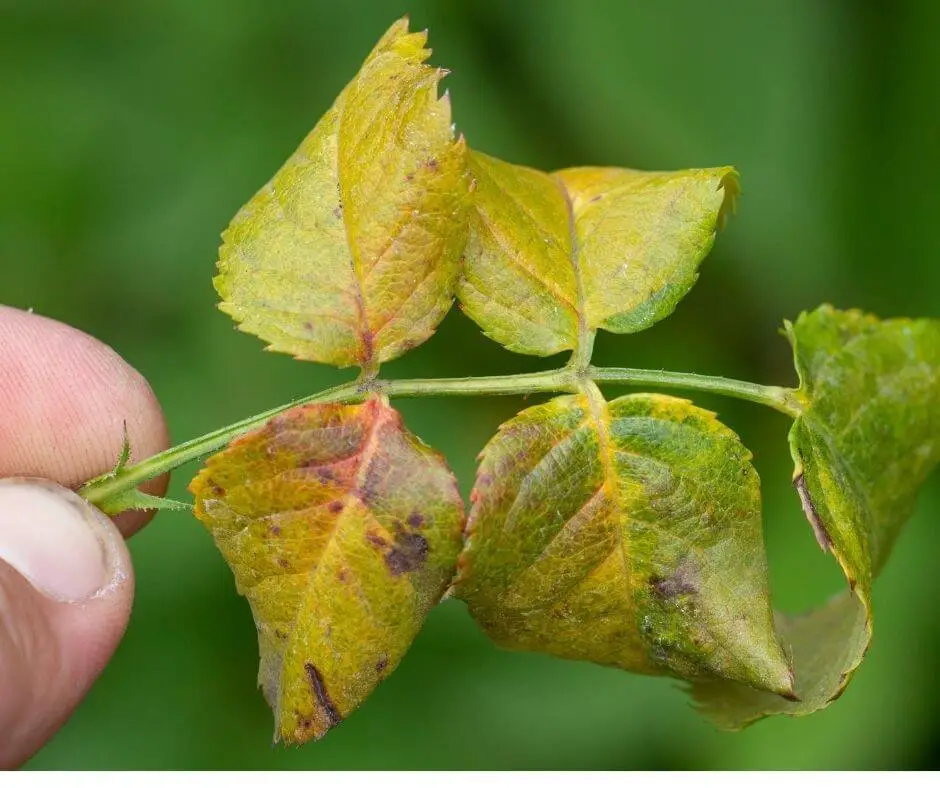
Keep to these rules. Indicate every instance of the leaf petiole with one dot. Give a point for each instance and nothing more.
(106, 491)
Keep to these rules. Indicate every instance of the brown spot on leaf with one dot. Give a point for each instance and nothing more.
(381, 664)
(283, 563)
(280, 635)
(338, 211)
(274, 530)
(321, 695)
(342, 574)
(376, 540)
(809, 509)
(415, 520)
(408, 553)
(216, 489)
(432, 165)
(308, 325)
(336, 507)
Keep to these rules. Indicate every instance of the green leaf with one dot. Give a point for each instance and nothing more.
(868, 437)
(584, 248)
(625, 533)
(342, 529)
(350, 254)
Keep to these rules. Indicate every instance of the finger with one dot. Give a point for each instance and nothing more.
(66, 586)
(64, 400)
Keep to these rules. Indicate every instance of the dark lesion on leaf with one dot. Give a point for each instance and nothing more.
(679, 583)
(321, 696)
(409, 552)
(809, 509)
(323, 474)
(381, 664)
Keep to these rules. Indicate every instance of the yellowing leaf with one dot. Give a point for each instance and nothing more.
(641, 237)
(342, 530)
(868, 437)
(625, 533)
(551, 255)
(519, 281)
(350, 254)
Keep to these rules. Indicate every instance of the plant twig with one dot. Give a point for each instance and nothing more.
(127, 477)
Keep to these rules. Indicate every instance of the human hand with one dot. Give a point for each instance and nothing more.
(66, 581)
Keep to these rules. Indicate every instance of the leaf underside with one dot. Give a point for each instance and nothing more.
(342, 530)
(625, 533)
(868, 437)
(350, 254)
(598, 247)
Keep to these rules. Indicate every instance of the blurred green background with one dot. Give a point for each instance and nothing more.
(130, 133)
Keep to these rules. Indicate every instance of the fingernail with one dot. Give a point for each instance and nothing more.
(59, 542)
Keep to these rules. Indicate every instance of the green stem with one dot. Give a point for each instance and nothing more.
(104, 488)
(776, 397)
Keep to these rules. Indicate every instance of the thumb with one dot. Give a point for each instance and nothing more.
(66, 586)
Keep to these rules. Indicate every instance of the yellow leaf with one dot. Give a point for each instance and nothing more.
(342, 530)
(551, 256)
(627, 533)
(350, 254)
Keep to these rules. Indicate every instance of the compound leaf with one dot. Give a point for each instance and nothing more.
(625, 533)
(350, 254)
(867, 438)
(584, 248)
(342, 529)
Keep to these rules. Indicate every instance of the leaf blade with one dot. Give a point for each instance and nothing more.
(518, 282)
(867, 439)
(642, 237)
(342, 531)
(350, 254)
(553, 256)
(609, 554)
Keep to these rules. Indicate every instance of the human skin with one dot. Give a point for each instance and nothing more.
(66, 580)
